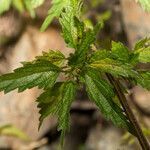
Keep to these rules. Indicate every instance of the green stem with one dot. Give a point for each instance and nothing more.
(142, 139)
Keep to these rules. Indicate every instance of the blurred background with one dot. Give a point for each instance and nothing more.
(21, 40)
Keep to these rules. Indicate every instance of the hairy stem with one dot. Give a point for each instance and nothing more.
(142, 139)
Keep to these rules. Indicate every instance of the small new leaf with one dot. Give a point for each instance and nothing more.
(83, 48)
(142, 43)
(55, 57)
(98, 92)
(143, 54)
(71, 26)
(55, 11)
(100, 55)
(68, 27)
(120, 52)
(142, 50)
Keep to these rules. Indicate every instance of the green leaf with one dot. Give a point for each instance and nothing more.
(42, 74)
(99, 55)
(57, 101)
(99, 94)
(114, 67)
(55, 11)
(141, 43)
(10, 130)
(98, 27)
(142, 51)
(120, 52)
(71, 26)
(104, 86)
(55, 57)
(4, 5)
(143, 54)
(83, 48)
(144, 80)
(49, 101)
(79, 27)
(68, 95)
(68, 27)
(145, 4)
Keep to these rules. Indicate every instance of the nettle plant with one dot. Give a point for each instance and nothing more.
(102, 71)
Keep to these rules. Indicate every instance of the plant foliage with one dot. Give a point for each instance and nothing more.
(85, 67)
(20, 5)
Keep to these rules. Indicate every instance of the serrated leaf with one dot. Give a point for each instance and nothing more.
(105, 87)
(145, 4)
(142, 50)
(83, 48)
(120, 52)
(49, 101)
(144, 80)
(57, 101)
(114, 67)
(79, 27)
(71, 26)
(55, 57)
(68, 95)
(133, 59)
(98, 27)
(54, 11)
(143, 54)
(10, 130)
(68, 27)
(142, 43)
(99, 55)
(4, 5)
(96, 91)
(42, 74)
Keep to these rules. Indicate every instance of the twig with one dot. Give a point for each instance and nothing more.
(142, 139)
